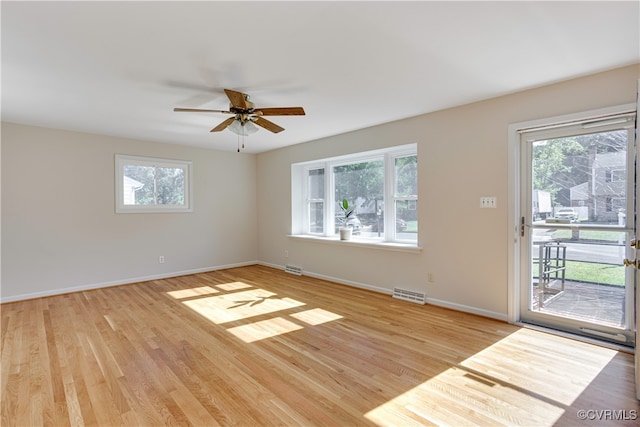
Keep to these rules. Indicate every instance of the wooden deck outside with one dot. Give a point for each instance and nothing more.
(589, 301)
(256, 346)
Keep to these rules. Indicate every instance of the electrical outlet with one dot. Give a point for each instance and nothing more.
(431, 277)
(161, 259)
(286, 253)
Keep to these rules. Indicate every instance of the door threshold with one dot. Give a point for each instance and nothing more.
(602, 343)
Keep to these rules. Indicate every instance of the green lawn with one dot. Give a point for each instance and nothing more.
(591, 272)
(606, 236)
(412, 227)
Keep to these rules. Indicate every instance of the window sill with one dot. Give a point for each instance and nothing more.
(388, 246)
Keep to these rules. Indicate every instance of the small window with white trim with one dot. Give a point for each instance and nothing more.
(145, 184)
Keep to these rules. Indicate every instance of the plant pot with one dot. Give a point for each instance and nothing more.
(345, 233)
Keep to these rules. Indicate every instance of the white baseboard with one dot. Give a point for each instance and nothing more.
(127, 281)
(432, 301)
(333, 279)
(440, 303)
(468, 309)
(349, 283)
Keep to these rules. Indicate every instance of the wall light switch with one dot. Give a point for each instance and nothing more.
(488, 202)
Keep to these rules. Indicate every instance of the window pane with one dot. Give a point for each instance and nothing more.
(373, 223)
(591, 264)
(316, 200)
(170, 186)
(316, 184)
(581, 178)
(362, 184)
(406, 220)
(145, 184)
(407, 176)
(138, 185)
(316, 217)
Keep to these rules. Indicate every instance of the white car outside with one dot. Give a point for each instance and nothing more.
(566, 213)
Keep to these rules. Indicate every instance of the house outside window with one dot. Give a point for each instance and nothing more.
(381, 185)
(618, 175)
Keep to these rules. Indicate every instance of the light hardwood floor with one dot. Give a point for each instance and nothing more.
(256, 346)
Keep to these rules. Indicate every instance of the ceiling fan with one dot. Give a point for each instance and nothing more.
(246, 115)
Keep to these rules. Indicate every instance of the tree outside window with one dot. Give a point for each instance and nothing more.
(146, 185)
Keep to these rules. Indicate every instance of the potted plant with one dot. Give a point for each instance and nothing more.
(347, 211)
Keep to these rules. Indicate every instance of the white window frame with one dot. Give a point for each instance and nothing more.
(391, 164)
(310, 200)
(300, 200)
(122, 160)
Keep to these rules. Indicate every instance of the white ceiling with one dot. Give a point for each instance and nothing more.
(119, 68)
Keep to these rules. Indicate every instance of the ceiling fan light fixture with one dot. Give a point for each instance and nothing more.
(244, 129)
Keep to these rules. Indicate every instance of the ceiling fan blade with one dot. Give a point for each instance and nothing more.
(280, 111)
(223, 125)
(270, 126)
(237, 99)
(197, 110)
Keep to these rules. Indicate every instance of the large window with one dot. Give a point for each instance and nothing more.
(381, 185)
(146, 184)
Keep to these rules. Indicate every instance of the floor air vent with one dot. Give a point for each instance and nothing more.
(411, 296)
(293, 270)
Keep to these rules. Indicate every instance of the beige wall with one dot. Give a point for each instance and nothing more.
(60, 232)
(59, 227)
(462, 155)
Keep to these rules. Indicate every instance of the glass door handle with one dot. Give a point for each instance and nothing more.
(631, 263)
(632, 243)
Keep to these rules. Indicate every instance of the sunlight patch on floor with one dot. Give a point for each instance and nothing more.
(193, 292)
(238, 301)
(524, 369)
(264, 329)
(454, 397)
(240, 305)
(539, 363)
(233, 286)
